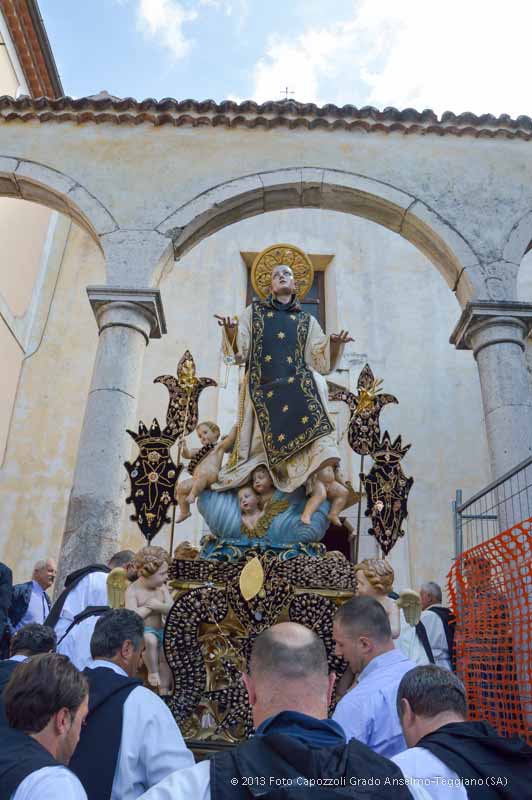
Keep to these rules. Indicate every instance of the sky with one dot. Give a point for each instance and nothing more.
(457, 55)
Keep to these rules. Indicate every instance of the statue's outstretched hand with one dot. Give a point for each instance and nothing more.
(342, 337)
(227, 322)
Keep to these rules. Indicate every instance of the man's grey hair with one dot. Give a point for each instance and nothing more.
(273, 656)
(365, 616)
(432, 690)
(33, 639)
(433, 590)
(113, 629)
(121, 559)
(41, 564)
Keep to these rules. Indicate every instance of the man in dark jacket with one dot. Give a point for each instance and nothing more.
(296, 750)
(461, 759)
(46, 704)
(6, 587)
(130, 732)
(29, 641)
(30, 601)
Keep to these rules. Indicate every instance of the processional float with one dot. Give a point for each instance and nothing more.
(245, 580)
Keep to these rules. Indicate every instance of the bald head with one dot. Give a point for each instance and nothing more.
(288, 671)
(288, 651)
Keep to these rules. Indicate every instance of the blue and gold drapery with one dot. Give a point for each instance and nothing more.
(282, 388)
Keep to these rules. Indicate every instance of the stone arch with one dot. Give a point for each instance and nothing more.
(519, 240)
(333, 190)
(28, 180)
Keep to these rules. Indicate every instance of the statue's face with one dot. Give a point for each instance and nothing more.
(206, 435)
(364, 587)
(248, 500)
(262, 481)
(283, 282)
(160, 577)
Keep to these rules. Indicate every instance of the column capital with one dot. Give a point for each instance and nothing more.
(147, 302)
(502, 321)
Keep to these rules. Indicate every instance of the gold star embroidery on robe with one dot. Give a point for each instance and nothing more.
(269, 394)
(280, 335)
(280, 438)
(304, 420)
(269, 314)
(285, 409)
(291, 379)
(267, 359)
(289, 359)
(292, 316)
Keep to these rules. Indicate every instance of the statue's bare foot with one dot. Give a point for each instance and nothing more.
(181, 517)
(305, 518)
(154, 680)
(335, 519)
(191, 499)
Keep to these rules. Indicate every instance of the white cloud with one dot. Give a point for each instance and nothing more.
(164, 20)
(459, 55)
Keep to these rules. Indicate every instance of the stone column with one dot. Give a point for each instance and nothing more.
(127, 319)
(496, 332)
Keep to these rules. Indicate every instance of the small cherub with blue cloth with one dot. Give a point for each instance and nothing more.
(150, 598)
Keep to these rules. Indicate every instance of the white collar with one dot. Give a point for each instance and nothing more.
(101, 662)
(18, 658)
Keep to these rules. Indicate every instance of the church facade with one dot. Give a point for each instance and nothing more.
(129, 225)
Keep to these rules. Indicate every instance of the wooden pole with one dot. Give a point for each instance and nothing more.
(359, 512)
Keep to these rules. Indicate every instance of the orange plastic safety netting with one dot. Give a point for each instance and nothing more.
(490, 588)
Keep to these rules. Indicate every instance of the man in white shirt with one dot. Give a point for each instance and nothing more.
(84, 587)
(436, 620)
(46, 703)
(295, 746)
(367, 712)
(130, 733)
(30, 601)
(446, 753)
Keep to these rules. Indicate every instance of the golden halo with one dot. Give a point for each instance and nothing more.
(271, 257)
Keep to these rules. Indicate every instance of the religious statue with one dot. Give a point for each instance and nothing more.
(204, 465)
(150, 598)
(283, 424)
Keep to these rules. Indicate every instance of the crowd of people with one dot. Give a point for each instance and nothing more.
(76, 722)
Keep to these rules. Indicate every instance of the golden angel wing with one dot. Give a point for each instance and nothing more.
(410, 602)
(117, 584)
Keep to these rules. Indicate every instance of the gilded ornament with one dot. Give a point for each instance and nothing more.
(273, 256)
(251, 579)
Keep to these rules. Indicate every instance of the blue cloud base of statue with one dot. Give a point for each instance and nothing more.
(286, 536)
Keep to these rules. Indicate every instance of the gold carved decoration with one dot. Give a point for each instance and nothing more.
(251, 579)
(273, 256)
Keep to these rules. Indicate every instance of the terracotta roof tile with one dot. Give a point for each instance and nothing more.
(105, 109)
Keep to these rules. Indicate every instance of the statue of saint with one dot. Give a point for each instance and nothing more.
(283, 421)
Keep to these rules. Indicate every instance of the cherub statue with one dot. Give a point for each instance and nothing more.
(263, 485)
(375, 578)
(150, 597)
(250, 512)
(324, 485)
(204, 466)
